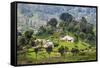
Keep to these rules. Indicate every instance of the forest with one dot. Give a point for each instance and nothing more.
(67, 40)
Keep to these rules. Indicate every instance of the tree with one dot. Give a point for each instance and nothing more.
(75, 51)
(66, 49)
(21, 42)
(33, 43)
(21, 45)
(28, 35)
(42, 29)
(61, 50)
(82, 35)
(89, 28)
(83, 20)
(56, 44)
(62, 26)
(66, 17)
(36, 51)
(91, 39)
(53, 22)
(76, 38)
(50, 31)
(83, 25)
(49, 50)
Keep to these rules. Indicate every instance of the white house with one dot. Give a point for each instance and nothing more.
(48, 43)
(67, 38)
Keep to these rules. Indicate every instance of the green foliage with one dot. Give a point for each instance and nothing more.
(49, 49)
(76, 38)
(62, 26)
(50, 31)
(56, 44)
(32, 51)
(32, 43)
(28, 34)
(83, 25)
(42, 29)
(91, 39)
(53, 22)
(21, 40)
(36, 50)
(66, 49)
(83, 20)
(82, 35)
(61, 50)
(75, 51)
(66, 17)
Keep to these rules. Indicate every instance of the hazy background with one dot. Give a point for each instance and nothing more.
(36, 15)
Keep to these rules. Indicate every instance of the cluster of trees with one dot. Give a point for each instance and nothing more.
(23, 40)
(82, 28)
(26, 40)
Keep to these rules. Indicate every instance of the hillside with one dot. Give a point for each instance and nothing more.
(51, 34)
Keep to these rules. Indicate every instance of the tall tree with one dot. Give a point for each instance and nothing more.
(61, 25)
(66, 17)
(28, 35)
(53, 22)
(61, 50)
(36, 51)
(83, 24)
(49, 50)
(21, 42)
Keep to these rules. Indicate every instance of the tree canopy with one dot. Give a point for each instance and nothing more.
(66, 17)
(53, 22)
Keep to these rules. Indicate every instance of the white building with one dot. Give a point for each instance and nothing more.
(67, 38)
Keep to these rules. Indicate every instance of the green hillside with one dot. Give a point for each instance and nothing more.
(68, 40)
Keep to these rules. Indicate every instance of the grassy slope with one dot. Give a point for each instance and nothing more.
(43, 56)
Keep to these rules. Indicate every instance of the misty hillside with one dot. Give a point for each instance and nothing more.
(52, 34)
(34, 16)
